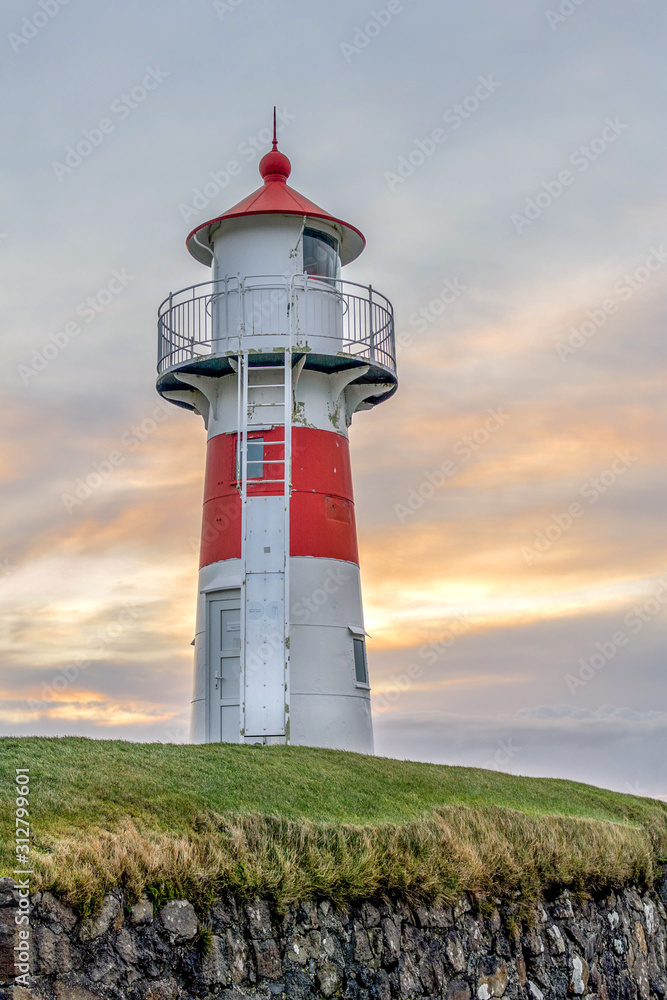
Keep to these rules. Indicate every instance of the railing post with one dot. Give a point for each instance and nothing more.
(370, 321)
(192, 324)
(241, 311)
(224, 333)
(169, 324)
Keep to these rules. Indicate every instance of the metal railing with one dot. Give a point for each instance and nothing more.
(217, 317)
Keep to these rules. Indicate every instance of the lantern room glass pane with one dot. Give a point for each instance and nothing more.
(320, 255)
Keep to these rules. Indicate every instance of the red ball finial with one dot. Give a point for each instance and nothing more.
(275, 166)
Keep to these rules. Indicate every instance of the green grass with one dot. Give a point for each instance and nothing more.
(300, 823)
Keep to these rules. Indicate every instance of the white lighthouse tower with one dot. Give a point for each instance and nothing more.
(277, 353)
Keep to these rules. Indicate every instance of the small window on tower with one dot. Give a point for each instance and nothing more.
(320, 255)
(360, 663)
(255, 458)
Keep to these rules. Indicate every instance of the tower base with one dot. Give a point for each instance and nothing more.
(329, 697)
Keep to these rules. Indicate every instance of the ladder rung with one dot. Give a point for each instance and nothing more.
(268, 385)
(266, 404)
(269, 461)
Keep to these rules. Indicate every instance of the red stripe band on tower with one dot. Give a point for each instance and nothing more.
(322, 522)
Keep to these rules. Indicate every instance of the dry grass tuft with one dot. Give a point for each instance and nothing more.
(496, 852)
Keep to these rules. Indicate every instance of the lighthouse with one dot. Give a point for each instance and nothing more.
(277, 353)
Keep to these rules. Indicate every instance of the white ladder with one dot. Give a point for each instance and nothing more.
(265, 403)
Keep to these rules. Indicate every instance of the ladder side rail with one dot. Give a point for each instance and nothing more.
(242, 465)
(287, 487)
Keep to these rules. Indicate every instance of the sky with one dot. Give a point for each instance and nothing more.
(506, 163)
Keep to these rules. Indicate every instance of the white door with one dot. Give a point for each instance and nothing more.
(224, 664)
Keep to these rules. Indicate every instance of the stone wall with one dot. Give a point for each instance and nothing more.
(611, 948)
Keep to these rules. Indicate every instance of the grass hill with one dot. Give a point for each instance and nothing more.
(292, 823)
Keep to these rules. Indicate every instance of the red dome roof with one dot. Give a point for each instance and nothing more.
(275, 197)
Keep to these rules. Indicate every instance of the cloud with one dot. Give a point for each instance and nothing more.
(606, 713)
(615, 747)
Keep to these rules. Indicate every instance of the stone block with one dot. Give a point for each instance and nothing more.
(162, 989)
(45, 942)
(521, 969)
(258, 916)
(99, 923)
(362, 945)
(141, 913)
(493, 984)
(56, 914)
(392, 940)
(408, 977)
(329, 979)
(579, 974)
(224, 913)
(267, 959)
(381, 989)
(8, 938)
(179, 918)
(307, 916)
(458, 989)
(215, 970)
(65, 990)
(236, 957)
(370, 915)
(556, 939)
(8, 894)
(455, 953)
(127, 947)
